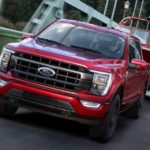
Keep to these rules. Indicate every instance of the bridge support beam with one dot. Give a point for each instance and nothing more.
(49, 10)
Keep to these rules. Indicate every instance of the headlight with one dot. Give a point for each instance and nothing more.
(101, 83)
(4, 58)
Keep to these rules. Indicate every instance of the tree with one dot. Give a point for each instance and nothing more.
(19, 10)
(147, 5)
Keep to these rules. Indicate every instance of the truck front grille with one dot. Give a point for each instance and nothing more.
(68, 76)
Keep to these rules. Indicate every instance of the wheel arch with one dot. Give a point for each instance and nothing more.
(120, 92)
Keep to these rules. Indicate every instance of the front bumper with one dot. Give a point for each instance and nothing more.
(51, 101)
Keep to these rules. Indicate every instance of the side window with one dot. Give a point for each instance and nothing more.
(138, 49)
(134, 50)
(131, 51)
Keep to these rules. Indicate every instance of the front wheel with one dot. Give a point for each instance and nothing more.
(145, 91)
(105, 131)
(135, 111)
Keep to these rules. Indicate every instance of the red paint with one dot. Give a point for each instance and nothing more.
(123, 78)
(126, 26)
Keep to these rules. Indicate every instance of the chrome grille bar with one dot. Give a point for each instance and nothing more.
(68, 76)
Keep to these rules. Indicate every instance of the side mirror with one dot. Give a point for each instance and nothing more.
(140, 63)
(26, 36)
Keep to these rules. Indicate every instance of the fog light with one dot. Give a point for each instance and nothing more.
(90, 104)
(2, 83)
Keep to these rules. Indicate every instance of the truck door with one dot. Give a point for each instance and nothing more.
(134, 77)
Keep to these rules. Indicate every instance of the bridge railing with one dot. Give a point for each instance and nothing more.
(9, 36)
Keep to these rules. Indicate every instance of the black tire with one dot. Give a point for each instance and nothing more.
(135, 111)
(7, 110)
(145, 91)
(105, 131)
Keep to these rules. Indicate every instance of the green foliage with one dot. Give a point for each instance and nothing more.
(147, 5)
(93, 3)
(8, 24)
(71, 13)
(19, 10)
(100, 6)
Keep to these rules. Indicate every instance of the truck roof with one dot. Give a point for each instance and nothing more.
(123, 21)
(95, 27)
(137, 27)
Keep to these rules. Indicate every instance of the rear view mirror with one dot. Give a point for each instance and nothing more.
(142, 64)
(26, 36)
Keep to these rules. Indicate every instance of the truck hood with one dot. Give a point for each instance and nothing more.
(86, 59)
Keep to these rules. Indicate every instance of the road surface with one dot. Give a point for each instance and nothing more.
(32, 131)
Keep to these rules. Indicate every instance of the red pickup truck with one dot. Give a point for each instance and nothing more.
(139, 28)
(77, 71)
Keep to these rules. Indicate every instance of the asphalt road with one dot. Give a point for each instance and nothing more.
(32, 131)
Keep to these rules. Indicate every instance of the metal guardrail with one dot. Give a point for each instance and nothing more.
(9, 36)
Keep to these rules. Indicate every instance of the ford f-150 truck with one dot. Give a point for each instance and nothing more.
(139, 28)
(77, 71)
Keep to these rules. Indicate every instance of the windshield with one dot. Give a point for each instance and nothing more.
(84, 39)
(142, 35)
(137, 27)
(123, 29)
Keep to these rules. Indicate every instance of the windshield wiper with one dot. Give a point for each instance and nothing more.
(87, 49)
(50, 41)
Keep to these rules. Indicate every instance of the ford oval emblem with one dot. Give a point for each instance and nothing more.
(47, 72)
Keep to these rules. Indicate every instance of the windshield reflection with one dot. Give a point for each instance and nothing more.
(141, 34)
(85, 39)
